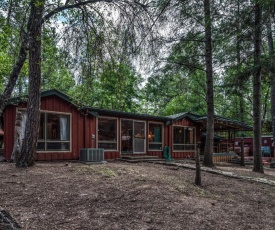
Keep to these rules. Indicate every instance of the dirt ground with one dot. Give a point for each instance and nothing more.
(120, 195)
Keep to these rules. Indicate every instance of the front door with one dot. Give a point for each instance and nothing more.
(132, 136)
(139, 137)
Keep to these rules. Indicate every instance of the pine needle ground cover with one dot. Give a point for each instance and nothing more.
(120, 195)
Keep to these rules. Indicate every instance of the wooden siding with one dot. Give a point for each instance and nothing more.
(183, 154)
(155, 153)
(108, 155)
(80, 137)
(9, 123)
(222, 157)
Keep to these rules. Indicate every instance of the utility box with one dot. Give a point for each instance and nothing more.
(92, 155)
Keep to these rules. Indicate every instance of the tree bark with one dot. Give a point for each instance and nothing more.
(208, 151)
(198, 166)
(33, 109)
(258, 164)
(271, 74)
(13, 77)
(240, 81)
(242, 153)
(17, 138)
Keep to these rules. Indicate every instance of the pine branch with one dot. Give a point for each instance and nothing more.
(186, 64)
(65, 7)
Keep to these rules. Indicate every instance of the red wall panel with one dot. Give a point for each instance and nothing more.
(55, 104)
(183, 154)
(9, 123)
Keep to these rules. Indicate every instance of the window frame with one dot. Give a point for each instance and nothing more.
(162, 136)
(45, 132)
(117, 134)
(194, 144)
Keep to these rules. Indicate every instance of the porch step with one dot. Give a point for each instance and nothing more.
(136, 159)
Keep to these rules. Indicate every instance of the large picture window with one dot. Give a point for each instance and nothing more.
(155, 136)
(54, 131)
(183, 138)
(107, 133)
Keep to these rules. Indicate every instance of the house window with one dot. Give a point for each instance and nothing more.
(54, 131)
(107, 133)
(183, 138)
(155, 136)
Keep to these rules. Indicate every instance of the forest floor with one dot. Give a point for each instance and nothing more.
(118, 195)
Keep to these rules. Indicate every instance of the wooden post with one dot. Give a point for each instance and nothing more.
(242, 152)
(234, 140)
(272, 148)
(228, 141)
(17, 137)
(198, 167)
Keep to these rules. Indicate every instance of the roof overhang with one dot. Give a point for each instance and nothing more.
(106, 112)
(220, 123)
(224, 124)
(46, 93)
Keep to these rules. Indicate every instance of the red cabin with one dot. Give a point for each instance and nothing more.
(65, 129)
(267, 142)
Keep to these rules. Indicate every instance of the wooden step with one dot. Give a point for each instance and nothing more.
(139, 157)
(135, 159)
(140, 160)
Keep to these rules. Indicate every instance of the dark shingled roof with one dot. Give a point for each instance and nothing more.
(100, 111)
(179, 116)
(221, 123)
(52, 92)
(224, 123)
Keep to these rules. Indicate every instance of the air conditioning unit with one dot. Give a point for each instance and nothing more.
(92, 155)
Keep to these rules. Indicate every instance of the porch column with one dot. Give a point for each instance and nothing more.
(228, 139)
(234, 140)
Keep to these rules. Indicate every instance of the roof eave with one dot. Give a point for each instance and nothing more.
(227, 124)
(102, 112)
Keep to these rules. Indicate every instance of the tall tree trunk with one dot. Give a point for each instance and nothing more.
(198, 166)
(208, 151)
(271, 74)
(240, 81)
(22, 56)
(258, 164)
(9, 11)
(33, 110)
(242, 153)
(13, 77)
(17, 137)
